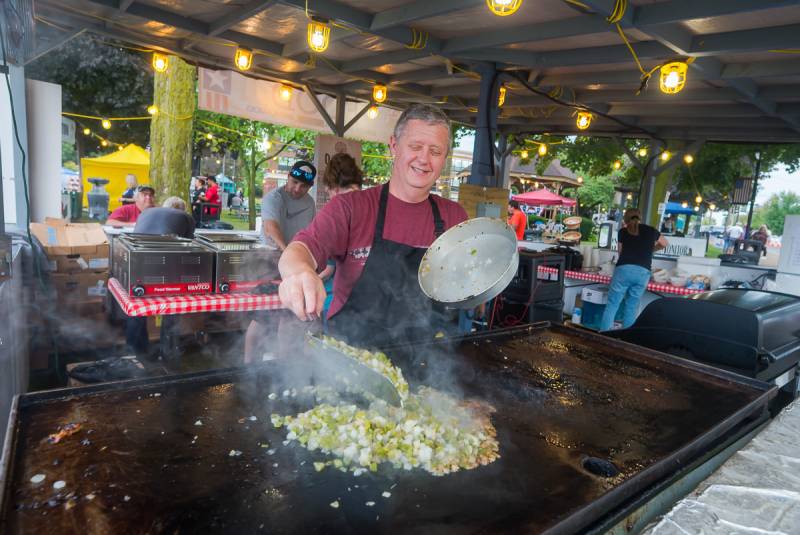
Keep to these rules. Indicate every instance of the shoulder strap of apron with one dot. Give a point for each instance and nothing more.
(438, 222)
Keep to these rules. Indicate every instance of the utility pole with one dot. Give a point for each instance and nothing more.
(748, 230)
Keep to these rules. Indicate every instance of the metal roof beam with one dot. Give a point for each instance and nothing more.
(418, 10)
(787, 67)
(676, 110)
(760, 39)
(378, 60)
(428, 74)
(681, 10)
(238, 15)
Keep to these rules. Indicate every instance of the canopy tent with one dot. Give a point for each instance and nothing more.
(226, 183)
(543, 197)
(677, 208)
(114, 167)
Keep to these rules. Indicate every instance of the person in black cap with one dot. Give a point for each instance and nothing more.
(289, 209)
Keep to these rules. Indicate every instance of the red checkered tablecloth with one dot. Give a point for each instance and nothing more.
(188, 304)
(605, 279)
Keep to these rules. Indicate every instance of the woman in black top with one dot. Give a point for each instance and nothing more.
(636, 244)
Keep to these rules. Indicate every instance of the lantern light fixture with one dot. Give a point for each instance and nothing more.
(286, 92)
(665, 156)
(243, 59)
(584, 120)
(503, 8)
(698, 199)
(379, 93)
(160, 62)
(673, 77)
(372, 112)
(319, 35)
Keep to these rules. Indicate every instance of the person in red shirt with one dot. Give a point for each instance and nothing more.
(127, 214)
(212, 195)
(517, 219)
(377, 238)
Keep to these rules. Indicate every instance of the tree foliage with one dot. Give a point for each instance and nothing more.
(594, 193)
(775, 210)
(102, 79)
(375, 167)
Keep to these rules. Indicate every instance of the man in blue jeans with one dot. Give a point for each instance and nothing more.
(636, 244)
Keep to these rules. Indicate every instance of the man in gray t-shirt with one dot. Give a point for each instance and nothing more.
(289, 209)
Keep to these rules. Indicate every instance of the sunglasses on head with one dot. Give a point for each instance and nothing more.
(302, 174)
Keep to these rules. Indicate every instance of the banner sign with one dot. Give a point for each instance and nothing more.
(325, 148)
(231, 93)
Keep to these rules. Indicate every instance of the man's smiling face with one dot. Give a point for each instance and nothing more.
(419, 155)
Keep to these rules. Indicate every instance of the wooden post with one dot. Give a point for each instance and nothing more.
(171, 130)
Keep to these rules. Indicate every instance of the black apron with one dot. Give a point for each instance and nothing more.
(386, 305)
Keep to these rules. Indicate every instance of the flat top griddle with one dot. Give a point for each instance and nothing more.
(561, 395)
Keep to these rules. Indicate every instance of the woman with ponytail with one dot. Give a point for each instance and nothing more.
(636, 243)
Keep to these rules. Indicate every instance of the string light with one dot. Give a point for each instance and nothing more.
(642, 152)
(106, 124)
(286, 92)
(523, 155)
(379, 93)
(160, 62)
(712, 206)
(104, 143)
(319, 35)
(501, 97)
(268, 144)
(580, 180)
(503, 8)
(372, 112)
(219, 161)
(698, 199)
(86, 131)
(120, 147)
(243, 59)
(209, 136)
(629, 196)
(673, 77)
(542, 149)
(665, 156)
(618, 165)
(684, 204)
(536, 185)
(696, 208)
(152, 109)
(688, 159)
(584, 120)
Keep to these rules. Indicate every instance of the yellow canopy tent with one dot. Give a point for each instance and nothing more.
(114, 167)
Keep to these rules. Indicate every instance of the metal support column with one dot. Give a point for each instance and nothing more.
(747, 230)
(484, 172)
(341, 100)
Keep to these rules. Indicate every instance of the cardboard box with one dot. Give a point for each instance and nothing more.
(72, 247)
(80, 287)
(470, 196)
(597, 294)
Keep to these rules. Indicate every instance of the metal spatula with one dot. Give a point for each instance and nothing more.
(338, 367)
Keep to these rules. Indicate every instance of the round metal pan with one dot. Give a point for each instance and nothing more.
(470, 264)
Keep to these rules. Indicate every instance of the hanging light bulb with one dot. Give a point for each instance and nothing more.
(379, 93)
(120, 147)
(104, 143)
(542, 149)
(86, 131)
(268, 145)
(319, 35)
(673, 77)
(712, 206)
(642, 152)
(688, 159)
(160, 62)
(372, 112)
(501, 97)
(106, 124)
(243, 59)
(209, 136)
(584, 120)
(286, 92)
(219, 161)
(629, 196)
(523, 155)
(618, 165)
(580, 180)
(684, 204)
(152, 109)
(503, 8)
(665, 156)
(696, 208)
(698, 199)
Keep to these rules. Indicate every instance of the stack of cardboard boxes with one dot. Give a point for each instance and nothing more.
(78, 265)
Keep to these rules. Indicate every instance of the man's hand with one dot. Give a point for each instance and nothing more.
(303, 293)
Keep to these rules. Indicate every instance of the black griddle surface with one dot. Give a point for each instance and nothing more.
(560, 398)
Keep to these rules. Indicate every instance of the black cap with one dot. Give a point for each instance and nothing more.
(303, 175)
(144, 187)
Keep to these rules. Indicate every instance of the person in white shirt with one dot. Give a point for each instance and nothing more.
(734, 233)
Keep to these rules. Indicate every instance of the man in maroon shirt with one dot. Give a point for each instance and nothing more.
(377, 238)
(127, 214)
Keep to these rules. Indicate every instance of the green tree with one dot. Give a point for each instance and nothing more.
(776, 209)
(103, 79)
(375, 166)
(171, 129)
(595, 192)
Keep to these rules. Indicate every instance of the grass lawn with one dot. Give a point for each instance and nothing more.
(237, 222)
(713, 252)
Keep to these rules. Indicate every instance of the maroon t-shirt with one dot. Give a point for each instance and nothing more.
(345, 227)
(127, 213)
